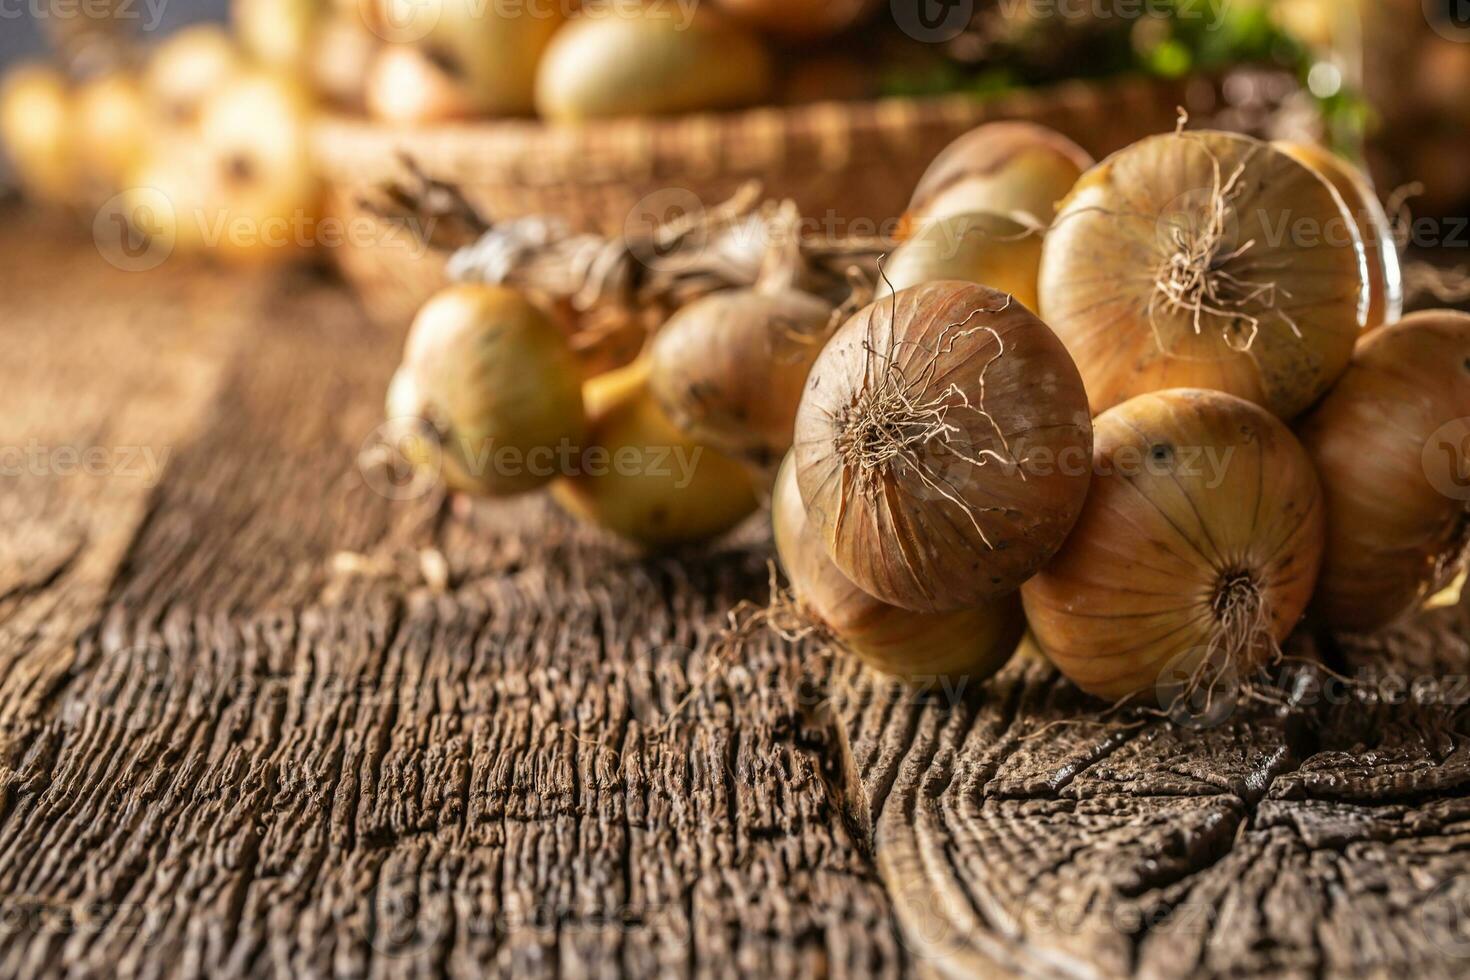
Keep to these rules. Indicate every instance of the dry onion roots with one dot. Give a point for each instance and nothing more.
(1392, 442)
(1206, 260)
(1195, 555)
(972, 643)
(942, 446)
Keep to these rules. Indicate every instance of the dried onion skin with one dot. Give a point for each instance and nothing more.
(1392, 444)
(1385, 274)
(490, 372)
(1017, 169)
(1205, 260)
(972, 643)
(729, 369)
(1199, 545)
(676, 492)
(988, 249)
(942, 446)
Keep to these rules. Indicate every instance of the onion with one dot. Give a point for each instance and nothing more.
(971, 643)
(1392, 443)
(112, 128)
(1205, 260)
(1385, 277)
(729, 369)
(641, 478)
(942, 446)
(37, 123)
(647, 61)
(187, 68)
(983, 248)
(800, 18)
(493, 375)
(1197, 550)
(1010, 168)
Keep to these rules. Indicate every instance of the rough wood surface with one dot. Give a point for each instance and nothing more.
(241, 733)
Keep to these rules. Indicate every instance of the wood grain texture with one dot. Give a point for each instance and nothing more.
(243, 733)
(233, 755)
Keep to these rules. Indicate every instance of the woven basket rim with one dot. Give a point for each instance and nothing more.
(809, 138)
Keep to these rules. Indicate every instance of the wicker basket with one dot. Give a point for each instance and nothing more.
(843, 163)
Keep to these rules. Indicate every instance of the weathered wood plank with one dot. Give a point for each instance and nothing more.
(254, 763)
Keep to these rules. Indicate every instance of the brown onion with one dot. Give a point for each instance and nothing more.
(1385, 276)
(645, 61)
(942, 446)
(643, 479)
(1205, 260)
(972, 643)
(494, 377)
(729, 369)
(988, 249)
(1010, 168)
(1392, 443)
(1197, 550)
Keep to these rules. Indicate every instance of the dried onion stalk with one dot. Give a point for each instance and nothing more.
(1206, 260)
(942, 445)
(1392, 443)
(1196, 553)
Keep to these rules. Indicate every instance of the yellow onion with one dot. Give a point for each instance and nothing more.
(1385, 276)
(278, 34)
(1392, 443)
(729, 369)
(187, 68)
(493, 375)
(112, 127)
(800, 18)
(341, 58)
(1196, 553)
(648, 61)
(1205, 260)
(403, 86)
(1010, 168)
(973, 643)
(488, 52)
(37, 122)
(643, 479)
(988, 249)
(942, 446)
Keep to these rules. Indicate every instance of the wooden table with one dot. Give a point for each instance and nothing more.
(246, 729)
